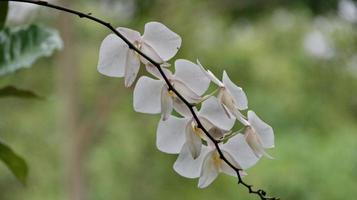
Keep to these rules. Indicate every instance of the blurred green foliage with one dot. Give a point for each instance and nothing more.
(11, 91)
(310, 102)
(15, 163)
(21, 46)
(3, 13)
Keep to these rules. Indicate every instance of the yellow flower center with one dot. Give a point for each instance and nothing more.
(171, 93)
(216, 159)
(197, 130)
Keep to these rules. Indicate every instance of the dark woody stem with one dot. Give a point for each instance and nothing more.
(259, 192)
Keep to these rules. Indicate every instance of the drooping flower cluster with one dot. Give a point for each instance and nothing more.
(178, 132)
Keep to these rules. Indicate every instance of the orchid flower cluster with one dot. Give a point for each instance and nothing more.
(178, 132)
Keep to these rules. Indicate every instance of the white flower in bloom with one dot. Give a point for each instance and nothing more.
(116, 59)
(232, 98)
(153, 96)
(259, 135)
(173, 133)
(208, 165)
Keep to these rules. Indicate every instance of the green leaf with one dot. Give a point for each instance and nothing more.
(15, 163)
(4, 6)
(21, 47)
(11, 91)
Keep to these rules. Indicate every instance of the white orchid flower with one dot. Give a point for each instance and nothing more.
(232, 97)
(173, 133)
(153, 96)
(116, 59)
(259, 135)
(209, 164)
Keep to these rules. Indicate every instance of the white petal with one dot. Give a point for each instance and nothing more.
(228, 103)
(171, 134)
(191, 74)
(209, 171)
(230, 107)
(225, 168)
(112, 56)
(130, 34)
(155, 72)
(265, 131)
(181, 108)
(216, 132)
(237, 92)
(255, 142)
(166, 103)
(209, 127)
(193, 141)
(240, 151)
(165, 64)
(215, 79)
(185, 91)
(149, 51)
(231, 172)
(165, 42)
(203, 69)
(131, 68)
(186, 166)
(206, 123)
(267, 155)
(210, 75)
(147, 95)
(220, 98)
(243, 120)
(213, 111)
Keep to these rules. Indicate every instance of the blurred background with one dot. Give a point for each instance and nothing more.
(296, 60)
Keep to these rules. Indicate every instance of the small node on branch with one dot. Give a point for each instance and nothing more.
(263, 192)
(192, 105)
(81, 15)
(249, 188)
(43, 2)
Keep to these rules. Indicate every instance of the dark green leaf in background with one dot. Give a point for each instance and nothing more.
(3, 13)
(21, 47)
(15, 163)
(11, 91)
